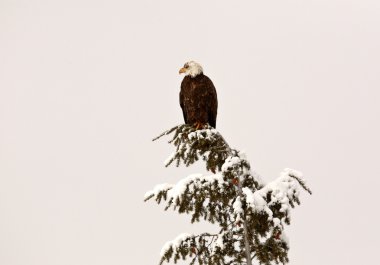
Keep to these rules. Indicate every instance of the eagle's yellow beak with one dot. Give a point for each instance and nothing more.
(182, 70)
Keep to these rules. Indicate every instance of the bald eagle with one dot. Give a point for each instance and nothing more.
(197, 97)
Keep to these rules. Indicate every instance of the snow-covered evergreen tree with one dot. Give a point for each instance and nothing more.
(251, 214)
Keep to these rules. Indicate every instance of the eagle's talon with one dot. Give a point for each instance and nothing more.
(199, 125)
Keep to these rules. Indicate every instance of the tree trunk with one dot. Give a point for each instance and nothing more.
(246, 242)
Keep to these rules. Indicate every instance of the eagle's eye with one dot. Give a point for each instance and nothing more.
(186, 65)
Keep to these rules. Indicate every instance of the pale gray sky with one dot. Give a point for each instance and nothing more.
(86, 84)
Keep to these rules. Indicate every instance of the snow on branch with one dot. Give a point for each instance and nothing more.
(158, 191)
(280, 194)
(201, 196)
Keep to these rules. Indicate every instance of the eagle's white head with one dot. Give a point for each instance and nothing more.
(191, 68)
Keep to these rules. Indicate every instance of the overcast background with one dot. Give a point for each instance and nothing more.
(86, 84)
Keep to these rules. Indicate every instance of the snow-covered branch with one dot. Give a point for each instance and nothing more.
(192, 145)
(201, 196)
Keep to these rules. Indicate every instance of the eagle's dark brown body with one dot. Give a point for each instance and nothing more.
(198, 100)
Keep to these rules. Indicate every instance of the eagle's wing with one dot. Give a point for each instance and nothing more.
(181, 100)
(212, 99)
